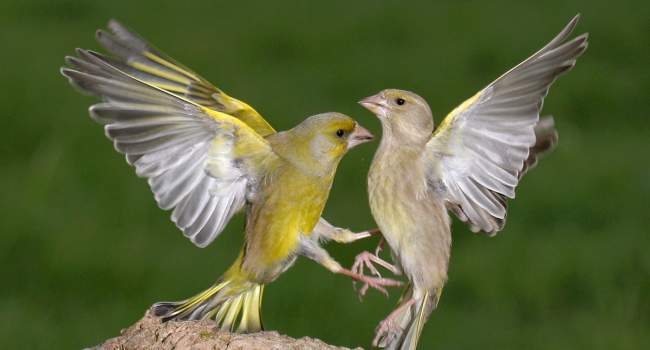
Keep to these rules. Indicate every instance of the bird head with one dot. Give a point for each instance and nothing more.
(320, 141)
(402, 113)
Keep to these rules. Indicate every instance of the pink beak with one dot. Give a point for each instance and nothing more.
(358, 136)
(375, 103)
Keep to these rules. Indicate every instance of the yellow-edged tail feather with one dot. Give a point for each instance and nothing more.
(233, 304)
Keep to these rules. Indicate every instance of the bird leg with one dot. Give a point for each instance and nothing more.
(327, 231)
(389, 328)
(380, 245)
(347, 236)
(310, 249)
(342, 235)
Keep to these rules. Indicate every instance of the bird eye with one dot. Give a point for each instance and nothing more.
(340, 132)
(400, 101)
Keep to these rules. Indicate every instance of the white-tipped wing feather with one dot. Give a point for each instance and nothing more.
(477, 155)
(199, 162)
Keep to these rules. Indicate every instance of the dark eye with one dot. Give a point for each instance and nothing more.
(400, 101)
(340, 132)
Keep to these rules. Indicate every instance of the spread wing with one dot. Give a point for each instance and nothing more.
(199, 162)
(478, 154)
(144, 62)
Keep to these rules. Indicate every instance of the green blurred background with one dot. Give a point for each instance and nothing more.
(84, 250)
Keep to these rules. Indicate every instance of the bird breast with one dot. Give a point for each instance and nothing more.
(412, 219)
(284, 209)
(396, 189)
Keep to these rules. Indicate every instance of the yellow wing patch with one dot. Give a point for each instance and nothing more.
(228, 119)
(151, 66)
(451, 117)
(168, 64)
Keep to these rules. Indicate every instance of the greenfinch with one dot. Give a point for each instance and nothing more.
(207, 156)
(469, 165)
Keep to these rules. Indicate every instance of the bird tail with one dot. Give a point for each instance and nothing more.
(412, 320)
(230, 301)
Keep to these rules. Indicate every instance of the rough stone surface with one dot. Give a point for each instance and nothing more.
(150, 333)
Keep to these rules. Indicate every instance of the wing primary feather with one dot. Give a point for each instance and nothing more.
(486, 144)
(166, 120)
(187, 213)
(206, 214)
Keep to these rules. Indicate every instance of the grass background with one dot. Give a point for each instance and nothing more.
(84, 250)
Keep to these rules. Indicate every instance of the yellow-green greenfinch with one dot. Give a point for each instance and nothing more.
(207, 155)
(470, 165)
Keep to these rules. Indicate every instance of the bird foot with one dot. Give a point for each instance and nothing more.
(389, 329)
(386, 332)
(367, 260)
(377, 283)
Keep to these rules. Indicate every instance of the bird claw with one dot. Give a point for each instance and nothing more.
(386, 332)
(367, 260)
(376, 283)
(363, 260)
(390, 327)
(380, 246)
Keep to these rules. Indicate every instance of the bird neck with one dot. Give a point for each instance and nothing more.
(297, 152)
(396, 138)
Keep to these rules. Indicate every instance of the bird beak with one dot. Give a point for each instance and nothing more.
(376, 104)
(358, 136)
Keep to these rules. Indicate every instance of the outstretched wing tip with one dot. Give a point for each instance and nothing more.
(504, 119)
(140, 112)
(70, 61)
(117, 28)
(584, 41)
(568, 29)
(152, 66)
(75, 78)
(200, 243)
(65, 71)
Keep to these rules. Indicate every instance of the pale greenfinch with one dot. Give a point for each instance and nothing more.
(470, 165)
(207, 156)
